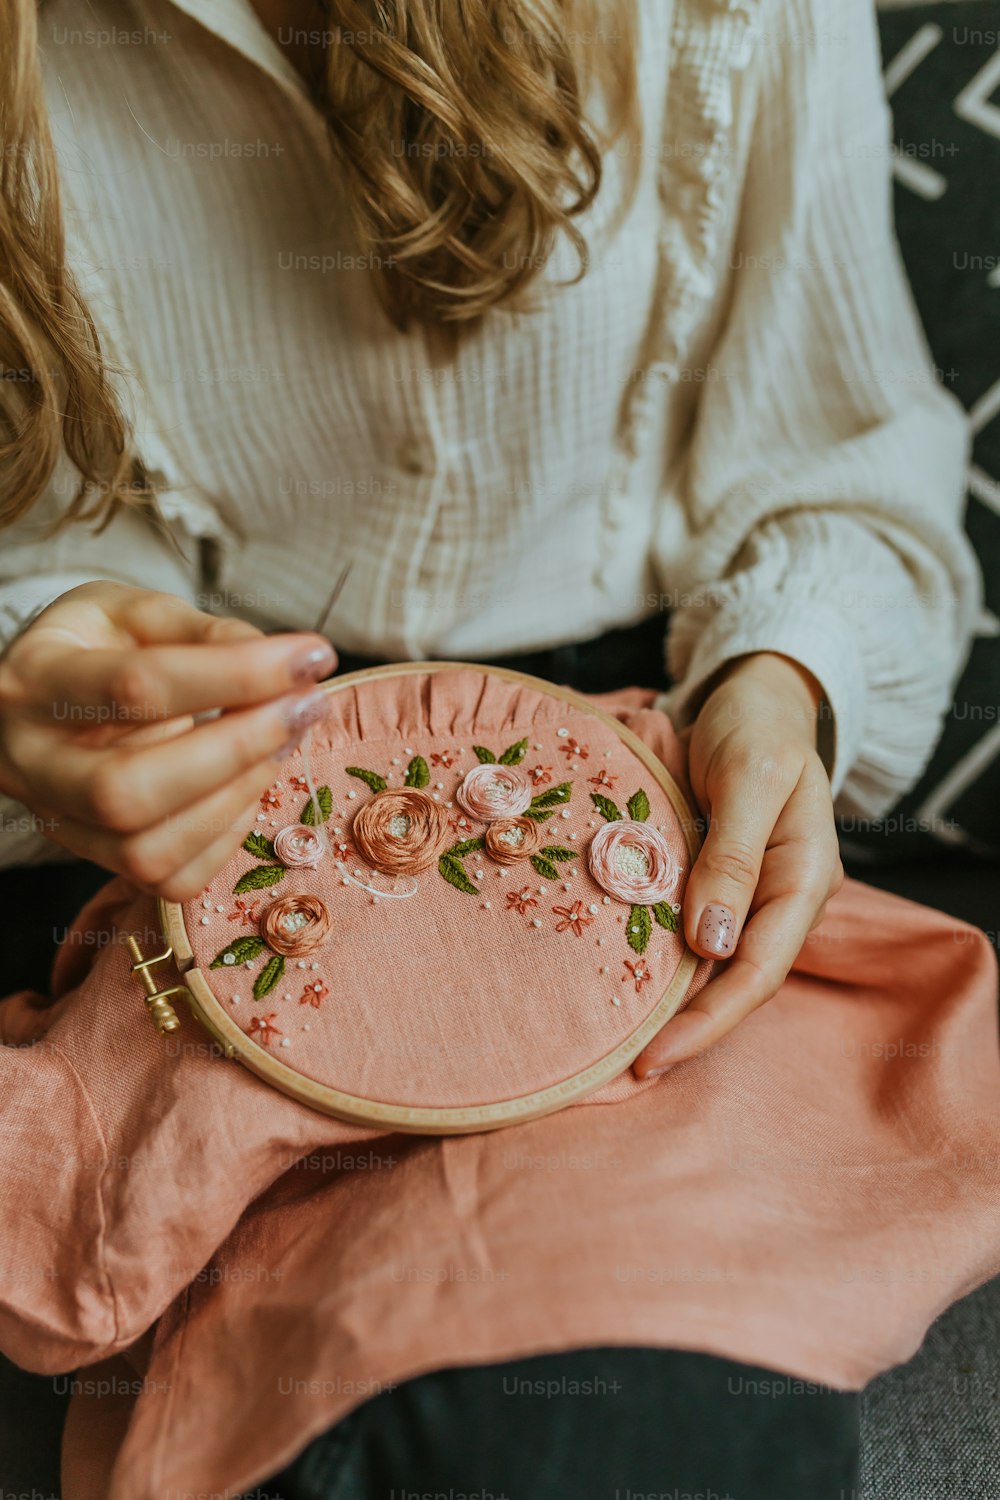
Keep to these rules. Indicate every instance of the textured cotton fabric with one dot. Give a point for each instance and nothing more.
(732, 415)
(806, 1196)
(448, 997)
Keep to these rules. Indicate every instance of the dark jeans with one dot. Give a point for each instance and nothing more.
(594, 1424)
(652, 1422)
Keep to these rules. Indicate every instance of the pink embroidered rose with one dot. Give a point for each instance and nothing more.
(490, 792)
(633, 863)
(298, 847)
(295, 925)
(511, 839)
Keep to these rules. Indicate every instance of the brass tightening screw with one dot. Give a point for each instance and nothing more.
(161, 1012)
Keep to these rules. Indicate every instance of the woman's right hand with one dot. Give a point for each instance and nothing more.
(97, 734)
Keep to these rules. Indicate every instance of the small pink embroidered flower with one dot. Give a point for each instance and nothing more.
(263, 1030)
(298, 847)
(632, 862)
(573, 750)
(521, 901)
(244, 912)
(574, 918)
(444, 758)
(271, 798)
(314, 993)
(343, 849)
(603, 778)
(493, 791)
(298, 783)
(461, 824)
(540, 775)
(639, 970)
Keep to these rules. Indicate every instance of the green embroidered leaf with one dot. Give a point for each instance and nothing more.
(558, 851)
(417, 772)
(454, 872)
(268, 976)
(257, 845)
(537, 815)
(605, 807)
(554, 796)
(665, 915)
(639, 929)
(486, 756)
(514, 754)
(465, 847)
(239, 951)
(318, 808)
(638, 806)
(256, 880)
(545, 867)
(372, 780)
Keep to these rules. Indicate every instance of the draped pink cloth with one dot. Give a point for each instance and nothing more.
(239, 1271)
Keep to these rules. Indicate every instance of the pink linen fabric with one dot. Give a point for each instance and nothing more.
(447, 996)
(808, 1195)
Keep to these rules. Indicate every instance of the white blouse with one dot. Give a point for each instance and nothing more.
(732, 415)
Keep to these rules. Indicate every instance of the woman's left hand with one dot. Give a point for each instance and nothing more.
(770, 860)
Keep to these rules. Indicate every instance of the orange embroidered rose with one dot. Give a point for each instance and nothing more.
(511, 839)
(295, 925)
(401, 832)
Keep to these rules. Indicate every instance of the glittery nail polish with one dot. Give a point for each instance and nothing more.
(717, 929)
(313, 665)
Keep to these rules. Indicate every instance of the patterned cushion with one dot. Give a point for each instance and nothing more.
(942, 71)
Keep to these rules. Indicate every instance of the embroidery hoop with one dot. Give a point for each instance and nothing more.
(445, 1119)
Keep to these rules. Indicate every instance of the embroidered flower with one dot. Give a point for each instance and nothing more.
(511, 839)
(603, 778)
(343, 849)
(461, 824)
(444, 758)
(632, 862)
(244, 912)
(521, 901)
(314, 993)
(271, 798)
(494, 791)
(298, 783)
(298, 847)
(639, 970)
(401, 832)
(296, 924)
(262, 1028)
(540, 775)
(573, 750)
(574, 918)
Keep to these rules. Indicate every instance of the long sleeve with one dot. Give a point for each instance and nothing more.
(824, 483)
(36, 569)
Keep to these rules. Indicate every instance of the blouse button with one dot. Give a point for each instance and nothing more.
(410, 458)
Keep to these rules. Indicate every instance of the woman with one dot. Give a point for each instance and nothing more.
(546, 316)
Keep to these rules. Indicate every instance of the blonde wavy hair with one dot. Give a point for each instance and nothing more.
(466, 152)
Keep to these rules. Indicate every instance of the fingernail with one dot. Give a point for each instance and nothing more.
(302, 712)
(717, 929)
(658, 1072)
(314, 664)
